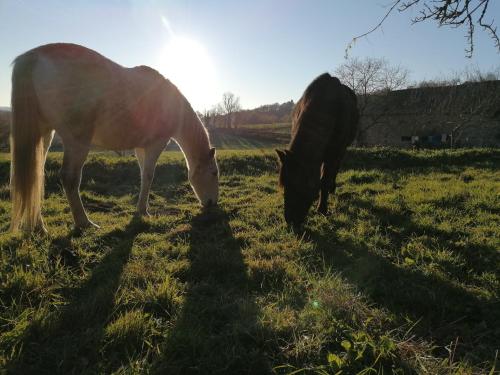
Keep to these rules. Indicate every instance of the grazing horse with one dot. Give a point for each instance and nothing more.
(90, 100)
(324, 123)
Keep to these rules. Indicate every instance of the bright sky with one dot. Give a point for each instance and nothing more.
(264, 51)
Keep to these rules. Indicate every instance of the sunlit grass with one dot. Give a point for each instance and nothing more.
(401, 277)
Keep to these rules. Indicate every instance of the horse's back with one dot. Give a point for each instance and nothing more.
(65, 52)
(70, 68)
(84, 94)
(350, 115)
(69, 80)
(326, 115)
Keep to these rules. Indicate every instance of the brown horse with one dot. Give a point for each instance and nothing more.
(324, 123)
(90, 100)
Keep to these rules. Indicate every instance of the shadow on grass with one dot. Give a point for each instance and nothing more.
(68, 340)
(216, 331)
(117, 177)
(120, 178)
(479, 258)
(445, 160)
(444, 310)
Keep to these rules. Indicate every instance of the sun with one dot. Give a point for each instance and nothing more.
(187, 64)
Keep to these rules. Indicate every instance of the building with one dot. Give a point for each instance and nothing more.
(449, 116)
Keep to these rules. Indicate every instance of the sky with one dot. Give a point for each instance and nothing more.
(264, 51)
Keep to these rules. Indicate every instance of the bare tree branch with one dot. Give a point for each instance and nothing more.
(353, 41)
(368, 77)
(230, 104)
(453, 13)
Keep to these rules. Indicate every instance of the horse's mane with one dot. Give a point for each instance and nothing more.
(149, 70)
(318, 104)
(316, 89)
(161, 79)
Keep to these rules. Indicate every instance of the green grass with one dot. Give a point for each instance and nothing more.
(243, 139)
(402, 277)
(255, 137)
(259, 136)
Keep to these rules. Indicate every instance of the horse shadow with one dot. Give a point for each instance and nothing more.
(69, 339)
(121, 177)
(444, 311)
(479, 257)
(394, 159)
(217, 330)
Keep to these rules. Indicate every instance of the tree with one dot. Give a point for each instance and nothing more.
(368, 77)
(372, 75)
(475, 74)
(471, 73)
(474, 109)
(230, 104)
(453, 13)
(208, 117)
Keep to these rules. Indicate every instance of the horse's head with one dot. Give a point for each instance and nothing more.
(204, 178)
(301, 185)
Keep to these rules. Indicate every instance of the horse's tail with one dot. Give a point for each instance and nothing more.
(27, 155)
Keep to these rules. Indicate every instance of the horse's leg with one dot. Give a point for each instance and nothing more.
(75, 154)
(47, 140)
(329, 172)
(147, 158)
(142, 202)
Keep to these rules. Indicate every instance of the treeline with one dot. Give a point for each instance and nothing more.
(266, 114)
(470, 74)
(218, 117)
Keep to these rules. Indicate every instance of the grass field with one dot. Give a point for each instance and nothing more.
(402, 277)
(251, 136)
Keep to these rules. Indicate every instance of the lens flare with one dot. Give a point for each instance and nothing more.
(187, 64)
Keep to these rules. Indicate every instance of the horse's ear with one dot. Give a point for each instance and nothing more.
(282, 155)
(211, 153)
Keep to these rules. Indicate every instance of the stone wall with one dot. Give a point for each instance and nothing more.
(464, 115)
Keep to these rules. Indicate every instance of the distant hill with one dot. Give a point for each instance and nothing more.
(266, 114)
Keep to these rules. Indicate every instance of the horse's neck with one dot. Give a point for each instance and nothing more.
(310, 141)
(192, 139)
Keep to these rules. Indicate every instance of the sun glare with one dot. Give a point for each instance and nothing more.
(187, 64)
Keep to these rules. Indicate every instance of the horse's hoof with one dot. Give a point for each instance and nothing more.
(323, 211)
(87, 225)
(141, 215)
(27, 231)
(297, 229)
(41, 230)
(38, 230)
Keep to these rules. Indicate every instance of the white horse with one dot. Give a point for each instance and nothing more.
(90, 100)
